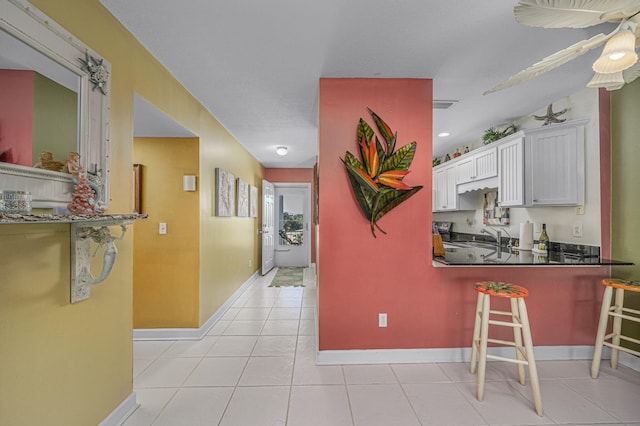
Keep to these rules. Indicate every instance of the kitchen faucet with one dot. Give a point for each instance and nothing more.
(497, 236)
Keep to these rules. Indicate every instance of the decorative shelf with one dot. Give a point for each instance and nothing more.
(84, 229)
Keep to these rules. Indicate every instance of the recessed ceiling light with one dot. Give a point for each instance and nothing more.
(443, 134)
(281, 150)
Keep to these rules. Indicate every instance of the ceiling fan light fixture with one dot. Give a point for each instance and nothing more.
(281, 150)
(610, 81)
(618, 54)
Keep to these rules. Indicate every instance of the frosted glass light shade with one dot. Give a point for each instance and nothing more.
(281, 150)
(610, 81)
(618, 54)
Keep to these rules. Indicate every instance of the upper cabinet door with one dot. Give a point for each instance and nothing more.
(555, 166)
(511, 172)
(478, 166)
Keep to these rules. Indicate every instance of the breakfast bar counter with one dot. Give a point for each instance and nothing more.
(474, 253)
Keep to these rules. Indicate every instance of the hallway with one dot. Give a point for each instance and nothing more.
(256, 367)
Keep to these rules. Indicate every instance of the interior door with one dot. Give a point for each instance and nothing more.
(292, 217)
(268, 225)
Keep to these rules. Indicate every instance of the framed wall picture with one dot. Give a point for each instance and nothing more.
(242, 198)
(225, 193)
(253, 201)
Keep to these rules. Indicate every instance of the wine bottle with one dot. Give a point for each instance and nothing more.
(543, 240)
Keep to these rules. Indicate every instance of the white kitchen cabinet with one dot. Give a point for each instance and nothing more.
(478, 166)
(444, 183)
(445, 195)
(511, 171)
(554, 165)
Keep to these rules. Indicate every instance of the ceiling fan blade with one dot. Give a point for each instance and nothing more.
(573, 13)
(630, 74)
(552, 61)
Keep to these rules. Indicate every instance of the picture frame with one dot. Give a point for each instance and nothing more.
(253, 201)
(225, 193)
(242, 198)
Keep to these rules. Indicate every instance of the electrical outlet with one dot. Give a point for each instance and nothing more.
(537, 228)
(577, 230)
(580, 210)
(162, 230)
(250, 263)
(382, 320)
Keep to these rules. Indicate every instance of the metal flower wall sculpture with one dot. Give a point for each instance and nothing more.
(377, 179)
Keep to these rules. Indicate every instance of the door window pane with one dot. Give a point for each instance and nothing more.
(291, 220)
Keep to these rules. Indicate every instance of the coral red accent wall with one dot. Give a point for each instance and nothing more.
(16, 116)
(360, 276)
(296, 176)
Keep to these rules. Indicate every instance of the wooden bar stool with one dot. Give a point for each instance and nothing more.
(521, 331)
(615, 309)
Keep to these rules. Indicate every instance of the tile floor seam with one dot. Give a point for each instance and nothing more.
(346, 390)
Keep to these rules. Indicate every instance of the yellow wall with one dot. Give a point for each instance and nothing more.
(73, 363)
(165, 268)
(55, 119)
(625, 241)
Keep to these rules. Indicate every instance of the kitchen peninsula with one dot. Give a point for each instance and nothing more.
(479, 253)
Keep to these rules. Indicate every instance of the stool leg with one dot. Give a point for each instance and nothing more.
(528, 344)
(617, 326)
(484, 335)
(517, 339)
(602, 329)
(476, 333)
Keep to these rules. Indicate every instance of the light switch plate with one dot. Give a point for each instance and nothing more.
(162, 230)
(577, 230)
(382, 320)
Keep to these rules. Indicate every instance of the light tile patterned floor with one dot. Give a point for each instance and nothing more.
(256, 367)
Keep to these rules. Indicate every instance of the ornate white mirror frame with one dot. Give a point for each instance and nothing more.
(49, 188)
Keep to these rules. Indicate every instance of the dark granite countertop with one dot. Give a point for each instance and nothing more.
(482, 253)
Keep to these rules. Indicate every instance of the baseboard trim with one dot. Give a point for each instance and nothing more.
(193, 333)
(629, 360)
(407, 356)
(122, 411)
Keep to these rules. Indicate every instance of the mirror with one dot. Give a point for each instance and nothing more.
(50, 105)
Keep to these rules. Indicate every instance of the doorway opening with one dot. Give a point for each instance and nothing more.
(292, 212)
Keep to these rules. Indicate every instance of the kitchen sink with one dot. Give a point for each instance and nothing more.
(470, 244)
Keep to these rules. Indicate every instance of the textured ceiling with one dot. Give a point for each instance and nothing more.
(255, 64)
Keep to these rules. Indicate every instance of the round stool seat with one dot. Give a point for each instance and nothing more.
(622, 284)
(501, 289)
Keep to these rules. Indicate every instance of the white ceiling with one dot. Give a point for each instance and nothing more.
(255, 64)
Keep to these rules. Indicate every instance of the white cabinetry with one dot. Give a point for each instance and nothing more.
(554, 165)
(478, 166)
(534, 167)
(511, 171)
(444, 184)
(445, 195)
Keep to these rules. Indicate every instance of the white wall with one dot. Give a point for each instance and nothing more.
(559, 220)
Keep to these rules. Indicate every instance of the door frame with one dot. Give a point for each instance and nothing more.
(308, 216)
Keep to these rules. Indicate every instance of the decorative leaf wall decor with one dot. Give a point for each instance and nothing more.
(377, 179)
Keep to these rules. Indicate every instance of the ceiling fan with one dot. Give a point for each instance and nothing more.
(618, 63)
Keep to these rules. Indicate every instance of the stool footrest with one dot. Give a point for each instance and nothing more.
(501, 358)
(621, 337)
(505, 323)
(627, 317)
(502, 342)
(620, 348)
(633, 311)
(491, 311)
